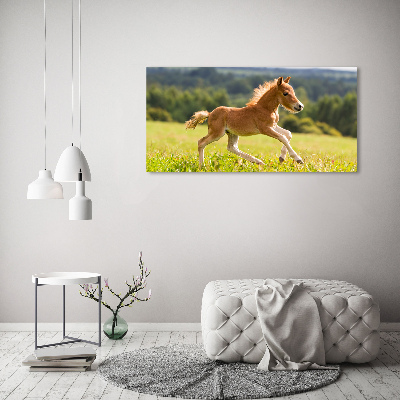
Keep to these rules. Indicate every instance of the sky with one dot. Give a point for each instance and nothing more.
(353, 69)
(344, 68)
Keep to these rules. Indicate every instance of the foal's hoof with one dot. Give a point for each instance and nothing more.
(281, 159)
(300, 161)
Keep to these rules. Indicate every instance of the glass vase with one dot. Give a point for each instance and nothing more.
(115, 327)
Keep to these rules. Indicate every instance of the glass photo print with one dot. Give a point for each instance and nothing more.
(251, 119)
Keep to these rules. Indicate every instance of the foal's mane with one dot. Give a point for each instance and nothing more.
(260, 91)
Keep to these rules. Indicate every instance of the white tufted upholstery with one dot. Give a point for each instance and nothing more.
(231, 330)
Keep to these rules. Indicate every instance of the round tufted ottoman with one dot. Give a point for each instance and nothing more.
(231, 330)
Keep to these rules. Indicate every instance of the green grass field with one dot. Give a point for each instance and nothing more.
(170, 148)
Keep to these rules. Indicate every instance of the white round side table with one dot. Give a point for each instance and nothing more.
(66, 278)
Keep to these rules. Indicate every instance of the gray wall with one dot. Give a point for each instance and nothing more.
(192, 228)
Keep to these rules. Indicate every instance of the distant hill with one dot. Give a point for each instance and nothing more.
(298, 72)
(239, 82)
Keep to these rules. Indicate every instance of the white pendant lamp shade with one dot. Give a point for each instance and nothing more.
(80, 206)
(44, 187)
(71, 162)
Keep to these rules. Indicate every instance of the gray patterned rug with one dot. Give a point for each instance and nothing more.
(185, 371)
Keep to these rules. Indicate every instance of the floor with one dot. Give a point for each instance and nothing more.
(379, 379)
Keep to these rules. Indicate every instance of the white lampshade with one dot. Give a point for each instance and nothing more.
(80, 206)
(44, 187)
(71, 161)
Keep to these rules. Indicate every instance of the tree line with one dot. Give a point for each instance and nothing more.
(332, 114)
(239, 82)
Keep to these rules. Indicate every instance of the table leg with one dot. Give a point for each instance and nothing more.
(36, 286)
(100, 297)
(63, 311)
(73, 340)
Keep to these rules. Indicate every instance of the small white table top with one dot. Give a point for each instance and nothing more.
(65, 278)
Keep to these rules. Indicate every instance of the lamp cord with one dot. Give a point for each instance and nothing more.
(44, 84)
(79, 76)
(72, 68)
(79, 86)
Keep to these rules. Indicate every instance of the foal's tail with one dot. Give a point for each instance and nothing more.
(197, 118)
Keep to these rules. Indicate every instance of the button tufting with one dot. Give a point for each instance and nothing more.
(329, 295)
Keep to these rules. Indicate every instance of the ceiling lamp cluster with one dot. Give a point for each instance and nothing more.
(72, 165)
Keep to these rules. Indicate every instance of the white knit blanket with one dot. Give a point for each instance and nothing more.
(291, 327)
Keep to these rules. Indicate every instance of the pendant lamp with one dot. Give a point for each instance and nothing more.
(72, 165)
(80, 206)
(44, 186)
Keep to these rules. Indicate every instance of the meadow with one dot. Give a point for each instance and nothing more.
(170, 148)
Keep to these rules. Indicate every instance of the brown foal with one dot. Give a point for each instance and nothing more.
(260, 116)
